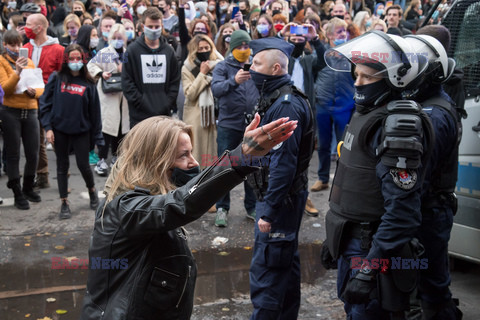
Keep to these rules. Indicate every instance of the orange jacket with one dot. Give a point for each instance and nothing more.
(9, 80)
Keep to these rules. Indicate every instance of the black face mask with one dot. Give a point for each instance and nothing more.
(180, 177)
(244, 12)
(274, 12)
(253, 23)
(371, 95)
(339, 17)
(78, 13)
(203, 56)
(199, 32)
(162, 10)
(227, 38)
(298, 50)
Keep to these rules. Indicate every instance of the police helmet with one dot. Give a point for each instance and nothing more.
(30, 7)
(440, 67)
(391, 55)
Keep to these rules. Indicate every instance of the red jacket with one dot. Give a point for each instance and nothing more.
(51, 58)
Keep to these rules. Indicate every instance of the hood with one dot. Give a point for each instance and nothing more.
(193, 11)
(49, 41)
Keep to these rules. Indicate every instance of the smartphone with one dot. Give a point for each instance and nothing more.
(300, 30)
(23, 52)
(235, 11)
(246, 66)
(21, 24)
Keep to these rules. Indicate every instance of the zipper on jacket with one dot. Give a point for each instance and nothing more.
(184, 285)
(195, 186)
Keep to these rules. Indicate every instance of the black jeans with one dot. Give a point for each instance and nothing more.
(109, 140)
(80, 143)
(20, 126)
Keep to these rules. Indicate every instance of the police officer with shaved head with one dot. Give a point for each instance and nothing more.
(281, 185)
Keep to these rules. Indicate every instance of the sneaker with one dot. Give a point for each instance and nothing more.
(49, 146)
(221, 218)
(93, 157)
(101, 168)
(112, 162)
(252, 215)
(65, 212)
(310, 209)
(319, 186)
(93, 199)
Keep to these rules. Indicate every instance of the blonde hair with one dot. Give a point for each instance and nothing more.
(412, 5)
(193, 47)
(146, 155)
(378, 22)
(80, 3)
(120, 28)
(71, 18)
(334, 23)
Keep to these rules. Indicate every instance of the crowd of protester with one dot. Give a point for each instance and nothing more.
(142, 58)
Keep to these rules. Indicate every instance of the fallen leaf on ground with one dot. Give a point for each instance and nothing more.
(61, 311)
(50, 300)
(59, 247)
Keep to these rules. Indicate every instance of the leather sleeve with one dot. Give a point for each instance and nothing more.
(142, 214)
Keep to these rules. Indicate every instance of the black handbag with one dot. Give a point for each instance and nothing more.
(113, 84)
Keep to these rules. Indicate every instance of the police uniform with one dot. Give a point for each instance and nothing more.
(439, 206)
(275, 267)
(376, 197)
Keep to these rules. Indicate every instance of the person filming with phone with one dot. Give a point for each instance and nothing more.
(19, 120)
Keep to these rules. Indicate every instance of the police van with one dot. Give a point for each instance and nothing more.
(463, 21)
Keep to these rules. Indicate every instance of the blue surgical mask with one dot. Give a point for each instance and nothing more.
(379, 12)
(105, 34)
(368, 24)
(115, 9)
(187, 13)
(338, 42)
(9, 27)
(12, 5)
(152, 34)
(117, 43)
(130, 34)
(262, 29)
(98, 11)
(75, 66)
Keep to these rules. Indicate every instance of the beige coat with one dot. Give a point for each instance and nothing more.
(204, 139)
(110, 103)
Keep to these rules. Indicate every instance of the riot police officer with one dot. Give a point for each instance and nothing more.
(376, 194)
(438, 198)
(281, 186)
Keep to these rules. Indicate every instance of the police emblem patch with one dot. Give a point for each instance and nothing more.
(405, 179)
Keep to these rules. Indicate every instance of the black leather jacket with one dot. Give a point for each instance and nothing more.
(140, 264)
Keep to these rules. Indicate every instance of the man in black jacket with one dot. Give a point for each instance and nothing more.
(150, 73)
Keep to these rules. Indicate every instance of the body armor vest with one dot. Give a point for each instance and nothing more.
(444, 177)
(356, 193)
(259, 179)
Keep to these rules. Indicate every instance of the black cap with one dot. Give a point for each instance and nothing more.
(271, 43)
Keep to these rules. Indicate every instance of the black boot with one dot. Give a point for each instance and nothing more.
(20, 201)
(65, 212)
(28, 192)
(93, 199)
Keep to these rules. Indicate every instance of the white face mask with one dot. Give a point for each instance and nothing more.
(12, 5)
(152, 34)
(94, 42)
(141, 9)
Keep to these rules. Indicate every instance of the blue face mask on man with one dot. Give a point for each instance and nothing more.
(152, 34)
(338, 42)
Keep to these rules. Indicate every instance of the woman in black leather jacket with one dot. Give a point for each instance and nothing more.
(140, 264)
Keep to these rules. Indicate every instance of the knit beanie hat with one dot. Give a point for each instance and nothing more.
(238, 37)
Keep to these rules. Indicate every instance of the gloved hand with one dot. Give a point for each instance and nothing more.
(328, 262)
(362, 288)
